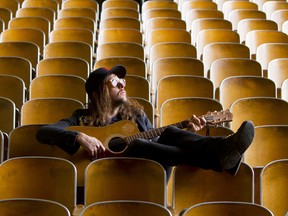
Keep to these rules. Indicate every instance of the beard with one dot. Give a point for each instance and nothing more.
(119, 101)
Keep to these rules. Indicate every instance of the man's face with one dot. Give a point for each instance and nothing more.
(116, 87)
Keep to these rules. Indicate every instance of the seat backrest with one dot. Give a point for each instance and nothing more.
(163, 22)
(13, 88)
(273, 183)
(114, 35)
(118, 4)
(175, 86)
(134, 84)
(194, 14)
(228, 207)
(64, 86)
(269, 144)
(269, 7)
(280, 17)
(250, 24)
(26, 50)
(48, 110)
(170, 49)
(12, 5)
(119, 12)
(78, 12)
(159, 12)
(188, 5)
(69, 49)
(76, 22)
(158, 4)
(7, 115)
(120, 50)
(192, 185)
(73, 34)
(227, 7)
(257, 37)
(260, 110)
(80, 4)
(133, 65)
(236, 87)
(227, 67)
(41, 177)
(220, 50)
(125, 208)
(178, 109)
(22, 145)
(175, 66)
(40, 23)
(44, 12)
(260, 3)
(32, 35)
(127, 179)
(167, 35)
(208, 36)
(53, 4)
(267, 52)
(235, 16)
(63, 65)
(32, 207)
(208, 23)
(120, 22)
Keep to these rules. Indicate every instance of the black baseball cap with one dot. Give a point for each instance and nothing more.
(97, 77)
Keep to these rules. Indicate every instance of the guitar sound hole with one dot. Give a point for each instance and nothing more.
(117, 144)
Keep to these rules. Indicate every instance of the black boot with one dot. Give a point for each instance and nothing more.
(234, 147)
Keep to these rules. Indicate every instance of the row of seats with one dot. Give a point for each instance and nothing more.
(44, 207)
(143, 54)
(132, 179)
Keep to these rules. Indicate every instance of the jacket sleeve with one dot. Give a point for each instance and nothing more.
(56, 134)
(144, 124)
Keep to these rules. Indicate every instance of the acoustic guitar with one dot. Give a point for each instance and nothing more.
(116, 137)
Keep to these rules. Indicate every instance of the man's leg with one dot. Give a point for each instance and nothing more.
(217, 153)
(177, 146)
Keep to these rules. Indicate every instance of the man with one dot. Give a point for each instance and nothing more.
(108, 103)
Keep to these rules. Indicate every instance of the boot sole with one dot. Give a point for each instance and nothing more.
(243, 137)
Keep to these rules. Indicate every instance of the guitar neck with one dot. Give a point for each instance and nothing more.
(155, 132)
(211, 118)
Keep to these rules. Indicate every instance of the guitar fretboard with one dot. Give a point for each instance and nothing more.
(155, 132)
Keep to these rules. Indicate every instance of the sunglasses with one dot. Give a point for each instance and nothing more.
(118, 82)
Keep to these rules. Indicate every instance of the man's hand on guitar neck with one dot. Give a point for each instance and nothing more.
(196, 123)
(93, 146)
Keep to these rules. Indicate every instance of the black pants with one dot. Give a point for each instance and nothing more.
(176, 146)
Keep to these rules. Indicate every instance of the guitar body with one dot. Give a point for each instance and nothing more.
(121, 129)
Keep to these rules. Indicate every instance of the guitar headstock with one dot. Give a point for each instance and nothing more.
(218, 117)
